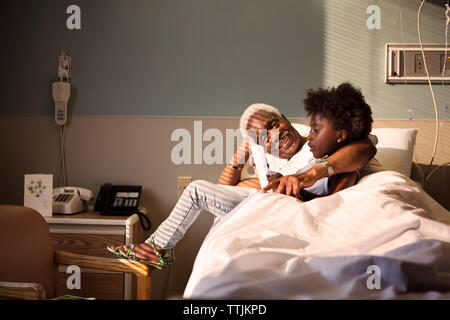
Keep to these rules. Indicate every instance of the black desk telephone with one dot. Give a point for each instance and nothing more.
(122, 200)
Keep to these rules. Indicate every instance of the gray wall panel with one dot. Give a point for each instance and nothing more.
(154, 57)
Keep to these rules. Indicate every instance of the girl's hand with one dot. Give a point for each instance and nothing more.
(291, 185)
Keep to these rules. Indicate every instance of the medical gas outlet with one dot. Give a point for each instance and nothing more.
(404, 63)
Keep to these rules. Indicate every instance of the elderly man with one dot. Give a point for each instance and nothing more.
(219, 199)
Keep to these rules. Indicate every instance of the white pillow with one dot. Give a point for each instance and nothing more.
(395, 148)
(303, 129)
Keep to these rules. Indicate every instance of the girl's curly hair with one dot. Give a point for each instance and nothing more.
(344, 107)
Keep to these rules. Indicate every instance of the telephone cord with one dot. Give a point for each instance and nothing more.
(142, 216)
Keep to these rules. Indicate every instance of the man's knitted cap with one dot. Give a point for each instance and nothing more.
(251, 110)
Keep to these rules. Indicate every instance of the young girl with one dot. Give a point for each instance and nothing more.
(338, 116)
(326, 138)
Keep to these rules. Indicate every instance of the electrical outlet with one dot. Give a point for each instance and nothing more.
(183, 182)
(447, 64)
(418, 64)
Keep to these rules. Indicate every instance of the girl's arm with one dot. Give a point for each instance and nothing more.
(336, 183)
(342, 181)
(349, 158)
(352, 156)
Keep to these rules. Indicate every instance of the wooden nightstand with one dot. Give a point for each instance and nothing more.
(89, 233)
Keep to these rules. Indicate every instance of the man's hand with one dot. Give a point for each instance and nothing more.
(269, 177)
(274, 177)
(291, 185)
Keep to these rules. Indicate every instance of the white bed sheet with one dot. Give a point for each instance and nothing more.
(277, 247)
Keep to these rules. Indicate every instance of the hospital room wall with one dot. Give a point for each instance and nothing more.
(131, 60)
(109, 139)
(162, 58)
(357, 54)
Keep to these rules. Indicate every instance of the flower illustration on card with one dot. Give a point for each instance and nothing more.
(36, 188)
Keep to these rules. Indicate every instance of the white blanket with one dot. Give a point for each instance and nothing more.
(277, 247)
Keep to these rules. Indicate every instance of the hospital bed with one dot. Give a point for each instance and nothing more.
(383, 238)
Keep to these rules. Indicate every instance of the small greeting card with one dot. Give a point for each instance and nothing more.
(38, 193)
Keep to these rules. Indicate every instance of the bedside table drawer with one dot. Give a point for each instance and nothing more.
(89, 233)
(94, 283)
(88, 244)
(102, 286)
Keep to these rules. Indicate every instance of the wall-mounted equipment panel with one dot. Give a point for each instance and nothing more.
(404, 63)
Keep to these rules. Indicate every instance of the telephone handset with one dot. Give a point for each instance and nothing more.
(70, 200)
(120, 200)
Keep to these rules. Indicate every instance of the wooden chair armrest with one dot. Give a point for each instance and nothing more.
(141, 270)
(22, 290)
(120, 265)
